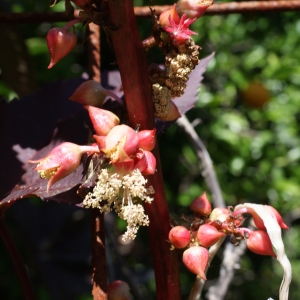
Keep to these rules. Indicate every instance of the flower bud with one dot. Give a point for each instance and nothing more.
(92, 93)
(89, 93)
(180, 33)
(193, 8)
(118, 290)
(259, 242)
(103, 120)
(147, 139)
(195, 259)
(164, 16)
(201, 206)
(208, 235)
(219, 214)
(61, 161)
(145, 162)
(179, 237)
(60, 42)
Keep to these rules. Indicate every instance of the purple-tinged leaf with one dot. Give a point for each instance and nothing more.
(189, 98)
(29, 123)
(74, 130)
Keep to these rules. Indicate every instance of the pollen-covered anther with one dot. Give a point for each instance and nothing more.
(47, 174)
(161, 99)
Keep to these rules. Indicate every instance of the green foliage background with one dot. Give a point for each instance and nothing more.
(255, 151)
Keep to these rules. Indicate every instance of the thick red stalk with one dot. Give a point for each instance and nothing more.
(133, 67)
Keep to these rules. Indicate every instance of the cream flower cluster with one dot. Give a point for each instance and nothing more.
(122, 193)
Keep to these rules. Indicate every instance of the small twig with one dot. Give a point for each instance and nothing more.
(230, 263)
(209, 173)
(213, 185)
(17, 261)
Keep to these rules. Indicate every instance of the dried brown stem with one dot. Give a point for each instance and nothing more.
(99, 279)
(133, 67)
(144, 11)
(98, 256)
(94, 52)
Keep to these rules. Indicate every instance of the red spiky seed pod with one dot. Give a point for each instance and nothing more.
(259, 242)
(208, 235)
(201, 206)
(195, 259)
(179, 237)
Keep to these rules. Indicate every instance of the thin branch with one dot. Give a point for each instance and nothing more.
(17, 262)
(231, 8)
(208, 172)
(144, 11)
(231, 262)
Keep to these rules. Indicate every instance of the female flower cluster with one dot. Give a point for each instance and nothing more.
(208, 226)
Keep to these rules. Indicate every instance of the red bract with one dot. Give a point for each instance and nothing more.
(60, 42)
(193, 8)
(179, 32)
(145, 162)
(103, 120)
(164, 16)
(179, 237)
(260, 243)
(61, 161)
(201, 206)
(147, 139)
(118, 290)
(195, 259)
(208, 235)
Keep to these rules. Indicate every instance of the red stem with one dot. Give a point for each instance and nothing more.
(71, 23)
(137, 90)
(99, 278)
(17, 262)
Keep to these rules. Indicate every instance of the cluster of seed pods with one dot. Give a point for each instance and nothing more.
(208, 226)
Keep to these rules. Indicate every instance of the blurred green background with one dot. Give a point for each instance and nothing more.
(249, 112)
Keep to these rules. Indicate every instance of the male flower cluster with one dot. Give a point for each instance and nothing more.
(208, 226)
